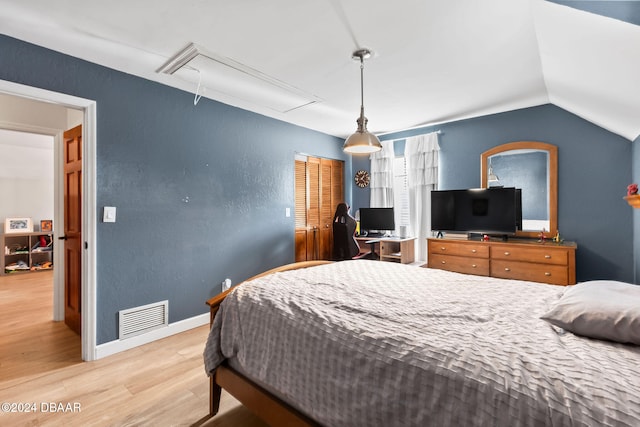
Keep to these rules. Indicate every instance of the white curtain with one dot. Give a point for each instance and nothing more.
(421, 153)
(382, 176)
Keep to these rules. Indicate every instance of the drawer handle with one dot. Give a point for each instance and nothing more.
(443, 262)
(442, 248)
(547, 256)
(473, 251)
(507, 254)
(473, 266)
(507, 269)
(547, 274)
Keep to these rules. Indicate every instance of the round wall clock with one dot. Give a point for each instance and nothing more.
(362, 178)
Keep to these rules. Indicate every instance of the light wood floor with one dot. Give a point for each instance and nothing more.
(159, 384)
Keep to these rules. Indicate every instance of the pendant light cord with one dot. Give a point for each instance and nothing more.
(362, 82)
(362, 141)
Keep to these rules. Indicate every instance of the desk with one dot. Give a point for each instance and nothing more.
(393, 249)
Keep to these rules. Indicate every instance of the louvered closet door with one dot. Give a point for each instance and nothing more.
(319, 188)
(337, 183)
(301, 210)
(327, 209)
(313, 208)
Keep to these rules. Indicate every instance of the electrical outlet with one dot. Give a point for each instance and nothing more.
(226, 284)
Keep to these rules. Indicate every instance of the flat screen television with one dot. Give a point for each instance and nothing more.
(482, 210)
(376, 220)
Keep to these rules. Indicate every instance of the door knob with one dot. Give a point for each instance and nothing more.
(62, 238)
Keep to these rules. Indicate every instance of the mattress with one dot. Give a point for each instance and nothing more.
(370, 343)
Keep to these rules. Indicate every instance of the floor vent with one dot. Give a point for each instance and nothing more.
(138, 320)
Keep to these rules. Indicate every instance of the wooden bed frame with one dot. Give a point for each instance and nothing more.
(265, 405)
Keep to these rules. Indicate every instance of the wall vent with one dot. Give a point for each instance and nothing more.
(138, 320)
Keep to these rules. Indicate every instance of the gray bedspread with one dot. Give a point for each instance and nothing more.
(369, 343)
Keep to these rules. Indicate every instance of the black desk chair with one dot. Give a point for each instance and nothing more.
(345, 245)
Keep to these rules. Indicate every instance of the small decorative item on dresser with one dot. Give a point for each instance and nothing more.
(542, 237)
(557, 238)
(633, 198)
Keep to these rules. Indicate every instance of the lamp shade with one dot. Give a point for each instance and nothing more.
(362, 142)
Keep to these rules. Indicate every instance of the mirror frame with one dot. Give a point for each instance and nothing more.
(552, 151)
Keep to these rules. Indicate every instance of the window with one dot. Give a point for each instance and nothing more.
(400, 193)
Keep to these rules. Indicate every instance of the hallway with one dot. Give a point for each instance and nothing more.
(32, 343)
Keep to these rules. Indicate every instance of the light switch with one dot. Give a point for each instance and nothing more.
(109, 214)
(287, 212)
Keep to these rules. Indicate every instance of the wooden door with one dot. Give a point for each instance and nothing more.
(72, 227)
(300, 210)
(337, 193)
(313, 208)
(326, 210)
(319, 188)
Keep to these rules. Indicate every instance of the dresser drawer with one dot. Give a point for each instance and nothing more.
(545, 273)
(539, 254)
(473, 249)
(467, 265)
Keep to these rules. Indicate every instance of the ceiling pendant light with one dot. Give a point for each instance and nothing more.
(362, 141)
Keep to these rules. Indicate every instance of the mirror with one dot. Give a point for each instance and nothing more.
(533, 167)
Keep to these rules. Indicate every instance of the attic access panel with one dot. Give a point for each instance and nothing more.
(214, 73)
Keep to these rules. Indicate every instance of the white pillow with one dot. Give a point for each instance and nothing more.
(602, 309)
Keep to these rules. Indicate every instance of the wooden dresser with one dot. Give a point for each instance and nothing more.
(519, 259)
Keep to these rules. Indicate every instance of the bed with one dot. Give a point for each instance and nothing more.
(370, 343)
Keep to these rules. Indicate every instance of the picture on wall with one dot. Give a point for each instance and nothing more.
(46, 225)
(18, 225)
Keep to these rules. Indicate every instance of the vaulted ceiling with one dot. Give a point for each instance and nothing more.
(433, 61)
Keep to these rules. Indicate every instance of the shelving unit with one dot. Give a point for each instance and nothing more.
(397, 250)
(23, 252)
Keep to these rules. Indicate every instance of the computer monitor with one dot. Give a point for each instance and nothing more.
(376, 220)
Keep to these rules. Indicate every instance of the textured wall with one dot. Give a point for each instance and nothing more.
(201, 191)
(594, 168)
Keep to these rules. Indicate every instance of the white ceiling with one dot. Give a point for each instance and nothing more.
(434, 61)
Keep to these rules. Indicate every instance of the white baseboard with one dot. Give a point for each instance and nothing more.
(117, 346)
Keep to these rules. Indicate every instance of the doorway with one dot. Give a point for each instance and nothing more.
(88, 214)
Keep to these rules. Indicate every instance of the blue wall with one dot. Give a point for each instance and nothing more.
(201, 191)
(594, 169)
(624, 10)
